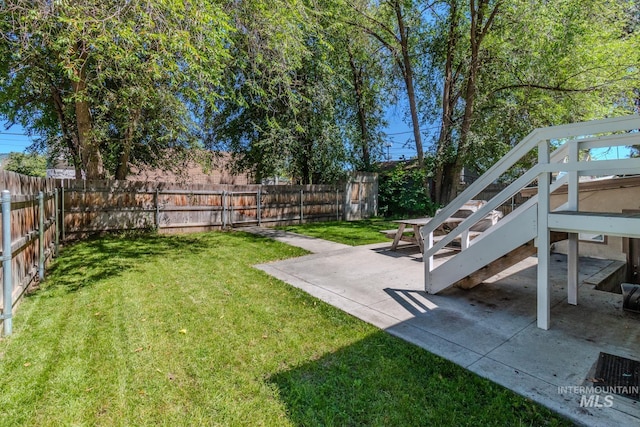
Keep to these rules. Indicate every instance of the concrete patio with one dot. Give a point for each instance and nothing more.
(490, 330)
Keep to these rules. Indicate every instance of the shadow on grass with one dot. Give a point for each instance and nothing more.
(84, 263)
(382, 380)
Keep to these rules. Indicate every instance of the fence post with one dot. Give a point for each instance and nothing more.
(7, 279)
(259, 196)
(301, 206)
(41, 235)
(64, 236)
(224, 209)
(57, 220)
(337, 205)
(157, 202)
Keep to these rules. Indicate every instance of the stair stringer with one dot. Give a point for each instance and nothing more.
(515, 230)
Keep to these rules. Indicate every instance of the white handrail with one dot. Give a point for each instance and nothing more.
(615, 140)
(496, 201)
(488, 207)
(500, 167)
(528, 143)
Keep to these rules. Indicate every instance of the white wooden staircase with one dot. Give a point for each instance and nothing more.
(534, 226)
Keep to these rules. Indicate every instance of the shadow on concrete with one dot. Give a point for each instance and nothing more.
(411, 251)
(382, 380)
(417, 303)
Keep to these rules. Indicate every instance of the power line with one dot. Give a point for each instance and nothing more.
(410, 131)
(14, 134)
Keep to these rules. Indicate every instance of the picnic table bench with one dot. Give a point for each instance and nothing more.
(413, 235)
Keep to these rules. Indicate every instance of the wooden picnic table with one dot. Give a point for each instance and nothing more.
(416, 224)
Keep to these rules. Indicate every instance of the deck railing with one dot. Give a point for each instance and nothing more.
(569, 139)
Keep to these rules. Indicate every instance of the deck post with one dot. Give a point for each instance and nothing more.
(543, 240)
(573, 205)
(428, 262)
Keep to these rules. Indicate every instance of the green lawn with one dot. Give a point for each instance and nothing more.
(182, 331)
(352, 233)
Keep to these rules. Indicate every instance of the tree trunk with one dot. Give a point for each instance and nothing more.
(69, 138)
(87, 146)
(407, 74)
(478, 30)
(358, 84)
(443, 162)
(452, 167)
(125, 156)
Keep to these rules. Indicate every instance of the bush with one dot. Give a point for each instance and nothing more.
(27, 164)
(402, 192)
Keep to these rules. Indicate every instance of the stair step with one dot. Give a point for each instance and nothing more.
(507, 235)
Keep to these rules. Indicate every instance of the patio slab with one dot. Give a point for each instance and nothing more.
(491, 329)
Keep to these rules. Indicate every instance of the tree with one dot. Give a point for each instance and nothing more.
(362, 83)
(396, 24)
(298, 87)
(464, 32)
(508, 67)
(108, 82)
(26, 164)
(256, 120)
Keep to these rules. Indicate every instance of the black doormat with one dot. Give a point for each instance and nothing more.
(619, 375)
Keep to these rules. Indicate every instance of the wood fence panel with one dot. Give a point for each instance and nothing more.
(93, 206)
(25, 223)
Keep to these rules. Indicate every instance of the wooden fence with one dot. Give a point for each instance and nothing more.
(96, 206)
(30, 233)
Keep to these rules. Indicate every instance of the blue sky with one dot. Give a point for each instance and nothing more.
(13, 139)
(399, 134)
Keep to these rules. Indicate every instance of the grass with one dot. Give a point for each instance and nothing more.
(354, 233)
(181, 331)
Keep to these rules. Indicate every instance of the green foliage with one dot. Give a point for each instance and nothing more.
(402, 192)
(300, 89)
(32, 164)
(533, 64)
(292, 105)
(111, 83)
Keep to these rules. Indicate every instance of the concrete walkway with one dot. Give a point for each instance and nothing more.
(490, 330)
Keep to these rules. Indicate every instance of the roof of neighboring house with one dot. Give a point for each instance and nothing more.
(217, 171)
